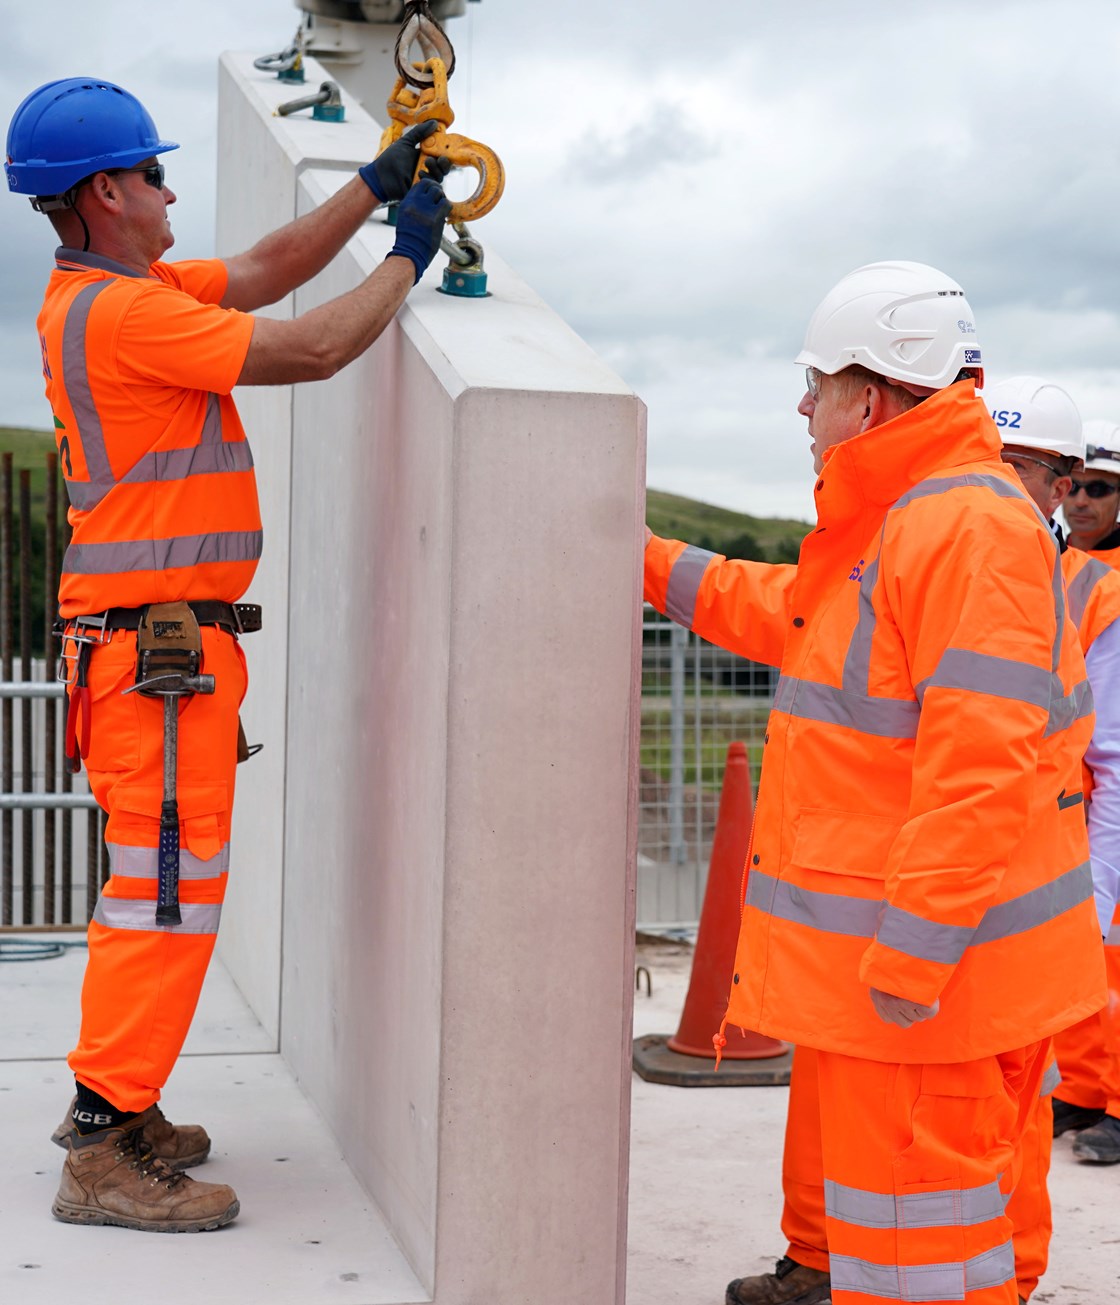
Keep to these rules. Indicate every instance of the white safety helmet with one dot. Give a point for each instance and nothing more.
(1036, 414)
(1102, 441)
(906, 321)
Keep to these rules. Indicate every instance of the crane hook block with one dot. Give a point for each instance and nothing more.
(407, 106)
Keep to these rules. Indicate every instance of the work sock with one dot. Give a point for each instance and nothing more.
(92, 1112)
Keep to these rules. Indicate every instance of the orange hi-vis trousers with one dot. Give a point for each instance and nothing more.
(142, 980)
(1089, 1053)
(897, 1177)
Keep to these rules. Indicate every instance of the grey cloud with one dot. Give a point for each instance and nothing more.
(659, 143)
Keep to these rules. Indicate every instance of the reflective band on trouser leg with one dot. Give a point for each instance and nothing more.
(802, 1174)
(142, 981)
(918, 1165)
(1029, 1207)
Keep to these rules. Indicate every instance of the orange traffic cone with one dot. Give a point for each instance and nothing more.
(713, 962)
(663, 1060)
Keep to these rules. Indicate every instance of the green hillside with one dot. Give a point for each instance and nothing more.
(735, 534)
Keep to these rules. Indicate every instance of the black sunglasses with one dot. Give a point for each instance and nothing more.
(1094, 488)
(153, 174)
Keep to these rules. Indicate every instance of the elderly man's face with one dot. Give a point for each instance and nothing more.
(835, 414)
(1089, 517)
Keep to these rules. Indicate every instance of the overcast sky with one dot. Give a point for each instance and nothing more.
(685, 182)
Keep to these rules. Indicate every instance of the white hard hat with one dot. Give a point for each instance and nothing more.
(906, 321)
(1037, 414)
(1102, 440)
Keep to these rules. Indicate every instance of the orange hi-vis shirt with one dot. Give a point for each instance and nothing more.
(919, 826)
(138, 373)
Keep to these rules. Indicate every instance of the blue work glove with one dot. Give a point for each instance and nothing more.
(421, 217)
(390, 175)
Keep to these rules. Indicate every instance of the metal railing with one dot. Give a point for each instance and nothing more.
(696, 699)
(53, 858)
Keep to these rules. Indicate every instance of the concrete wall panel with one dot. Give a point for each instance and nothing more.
(459, 578)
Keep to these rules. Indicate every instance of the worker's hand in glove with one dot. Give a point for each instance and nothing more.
(390, 175)
(900, 1010)
(421, 217)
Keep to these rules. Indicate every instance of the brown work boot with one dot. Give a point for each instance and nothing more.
(790, 1284)
(114, 1177)
(180, 1146)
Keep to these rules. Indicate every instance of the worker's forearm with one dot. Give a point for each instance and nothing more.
(318, 343)
(290, 256)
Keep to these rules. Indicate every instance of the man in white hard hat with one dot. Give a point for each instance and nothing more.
(914, 876)
(1093, 505)
(1087, 1102)
(1044, 441)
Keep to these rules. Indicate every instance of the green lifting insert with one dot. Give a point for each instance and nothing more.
(329, 112)
(291, 74)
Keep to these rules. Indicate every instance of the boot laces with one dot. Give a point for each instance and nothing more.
(144, 1159)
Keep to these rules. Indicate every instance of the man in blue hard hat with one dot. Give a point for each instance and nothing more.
(139, 360)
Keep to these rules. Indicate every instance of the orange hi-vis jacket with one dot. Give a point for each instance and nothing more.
(1093, 598)
(919, 826)
(138, 373)
(1092, 592)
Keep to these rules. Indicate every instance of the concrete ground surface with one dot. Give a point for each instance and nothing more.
(705, 1175)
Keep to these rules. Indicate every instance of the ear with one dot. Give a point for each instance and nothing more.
(105, 191)
(877, 405)
(1059, 491)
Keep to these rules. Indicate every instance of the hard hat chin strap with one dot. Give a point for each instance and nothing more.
(58, 203)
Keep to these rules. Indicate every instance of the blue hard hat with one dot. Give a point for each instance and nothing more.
(67, 130)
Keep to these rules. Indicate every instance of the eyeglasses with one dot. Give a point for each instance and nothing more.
(813, 377)
(1094, 488)
(1014, 459)
(153, 174)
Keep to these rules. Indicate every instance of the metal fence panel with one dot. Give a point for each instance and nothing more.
(696, 699)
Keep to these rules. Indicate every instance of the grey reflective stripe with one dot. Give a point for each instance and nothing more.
(887, 718)
(1081, 588)
(945, 1281)
(943, 484)
(1050, 1080)
(953, 1207)
(1075, 706)
(211, 456)
(1112, 938)
(910, 934)
(1001, 677)
(1064, 709)
(829, 912)
(1038, 906)
(143, 862)
(88, 493)
(856, 677)
(914, 936)
(128, 913)
(162, 554)
(684, 584)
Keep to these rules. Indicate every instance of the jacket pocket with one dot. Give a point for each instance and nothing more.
(843, 842)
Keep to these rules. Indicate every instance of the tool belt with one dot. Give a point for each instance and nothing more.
(237, 618)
